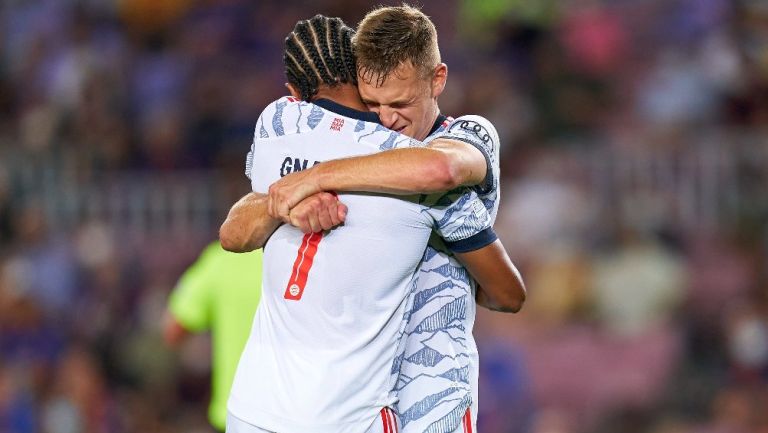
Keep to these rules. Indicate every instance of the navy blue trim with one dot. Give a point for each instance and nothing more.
(342, 110)
(473, 243)
(439, 121)
(486, 185)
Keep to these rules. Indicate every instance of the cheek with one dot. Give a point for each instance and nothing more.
(410, 114)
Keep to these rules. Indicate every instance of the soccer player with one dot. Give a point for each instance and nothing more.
(218, 293)
(325, 337)
(400, 78)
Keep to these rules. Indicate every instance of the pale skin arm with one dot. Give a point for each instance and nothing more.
(441, 166)
(501, 287)
(248, 225)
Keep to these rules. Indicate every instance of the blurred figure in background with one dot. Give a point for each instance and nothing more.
(218, 293)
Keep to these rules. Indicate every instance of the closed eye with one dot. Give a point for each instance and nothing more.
(401, 104)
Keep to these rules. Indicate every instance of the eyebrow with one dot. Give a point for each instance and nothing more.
(393, 103)
(401, 102)
(404, 101)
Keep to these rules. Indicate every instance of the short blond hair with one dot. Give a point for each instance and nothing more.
(390, 36)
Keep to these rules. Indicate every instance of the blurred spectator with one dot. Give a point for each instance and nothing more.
(637, 285)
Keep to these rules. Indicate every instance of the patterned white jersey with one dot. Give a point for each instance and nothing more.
(331, 318)
(439, 366)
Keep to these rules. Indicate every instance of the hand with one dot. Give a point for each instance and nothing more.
(322, 211)
(289, 191)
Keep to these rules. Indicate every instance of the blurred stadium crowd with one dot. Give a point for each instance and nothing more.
(635, 202)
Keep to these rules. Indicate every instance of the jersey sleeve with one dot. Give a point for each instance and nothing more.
(273, 122)
(190, 302)
(460, 219)
(480, 133)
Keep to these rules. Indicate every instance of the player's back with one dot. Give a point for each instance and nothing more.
(333, 300)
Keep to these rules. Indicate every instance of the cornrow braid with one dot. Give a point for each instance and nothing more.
(298, 68)
(308, 40)
(319, 29)
(350, 60)
(319, 52)
(335, 47)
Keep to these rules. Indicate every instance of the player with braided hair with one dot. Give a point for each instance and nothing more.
(400, 77)
(324, 340)
(317, 52)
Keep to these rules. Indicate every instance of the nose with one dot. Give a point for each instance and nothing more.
(387, 116)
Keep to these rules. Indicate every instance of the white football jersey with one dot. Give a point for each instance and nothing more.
(332, 313)
(438, 366)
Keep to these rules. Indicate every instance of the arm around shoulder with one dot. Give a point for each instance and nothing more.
(442, 166)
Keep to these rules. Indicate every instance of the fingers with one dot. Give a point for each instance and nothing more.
(284, 211)
(300, 221)
(305, 217)
(319, 212)
(314, 222)
(327, 218)
(341, 210)
(290, 190)
(272, 200)
(278, 205)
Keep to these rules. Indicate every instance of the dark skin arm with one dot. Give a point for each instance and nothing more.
(501, 287)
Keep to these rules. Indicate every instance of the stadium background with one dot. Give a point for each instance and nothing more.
(635, 201)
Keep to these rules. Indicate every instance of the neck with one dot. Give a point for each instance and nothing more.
(434, 116)
(344, 94)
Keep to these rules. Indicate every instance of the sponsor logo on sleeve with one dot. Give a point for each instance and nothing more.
(471, 127)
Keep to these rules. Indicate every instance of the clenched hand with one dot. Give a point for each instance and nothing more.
(321, 211)
(289, 191)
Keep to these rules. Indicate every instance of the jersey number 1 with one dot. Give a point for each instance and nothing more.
(302, 265)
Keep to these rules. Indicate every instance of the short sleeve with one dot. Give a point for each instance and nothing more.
(480, 133)
(460, 219)
(191, 299)
(272, 122)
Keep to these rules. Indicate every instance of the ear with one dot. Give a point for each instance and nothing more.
(293, 90)
(439, 78)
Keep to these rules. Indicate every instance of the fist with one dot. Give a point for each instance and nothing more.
(289, 191)
(318, 212)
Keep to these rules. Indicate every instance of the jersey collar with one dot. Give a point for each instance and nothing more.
(439, 121)
(342, 110)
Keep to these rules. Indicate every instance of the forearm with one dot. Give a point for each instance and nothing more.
(501, 287)
(442, 166)
(483, 300)
(248, 225)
